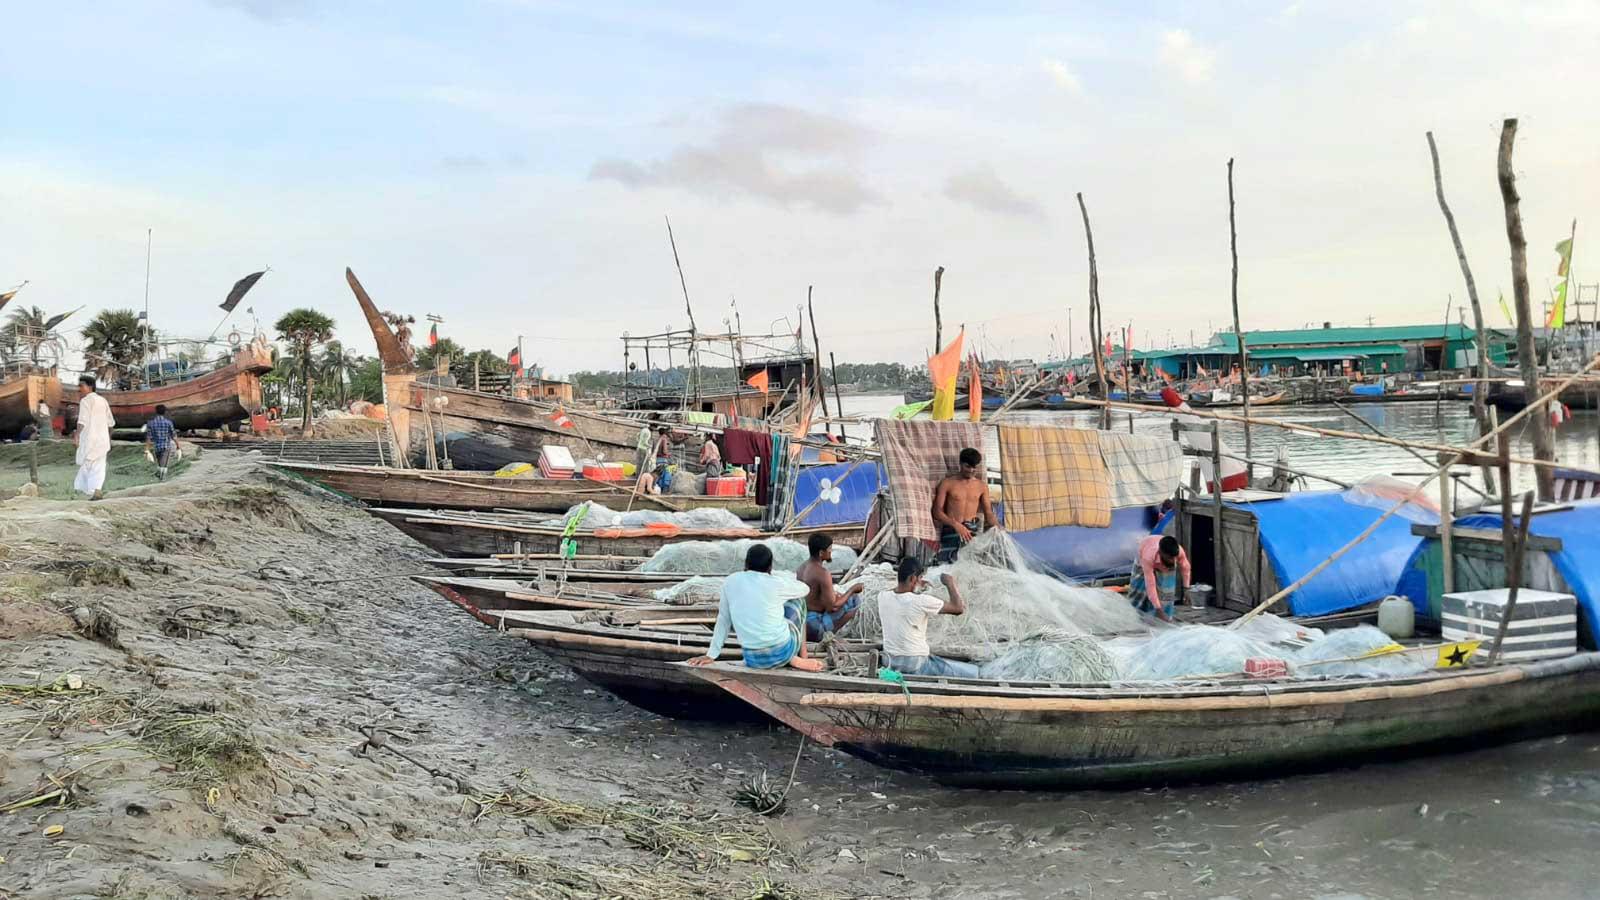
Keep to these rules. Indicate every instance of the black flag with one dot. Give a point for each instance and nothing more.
(240, 288)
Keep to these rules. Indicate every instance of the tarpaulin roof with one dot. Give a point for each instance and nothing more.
(1084, 553)
(1576, 561)
(856, 492)
(1353, 351)
(1304, 528)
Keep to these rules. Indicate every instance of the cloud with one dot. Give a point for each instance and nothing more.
(1064, 77)
(266, 10)
(761, 150)
(1189, 59)
(982, 189)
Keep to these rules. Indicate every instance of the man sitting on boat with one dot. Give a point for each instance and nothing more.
(764, 610)
(826, 609)
(1153, 586)
(905, 614)
(958, 502)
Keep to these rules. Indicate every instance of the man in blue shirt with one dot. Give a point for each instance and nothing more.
(764, 611)
(161, 438)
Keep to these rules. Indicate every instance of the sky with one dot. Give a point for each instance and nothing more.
(509, 165)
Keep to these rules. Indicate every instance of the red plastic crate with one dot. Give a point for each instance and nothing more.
(725, 487)
(606, 472)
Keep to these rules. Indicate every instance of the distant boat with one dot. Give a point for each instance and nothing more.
(20, 396)
(225, 395)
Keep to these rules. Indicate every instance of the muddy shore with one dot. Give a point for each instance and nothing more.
(193, 672)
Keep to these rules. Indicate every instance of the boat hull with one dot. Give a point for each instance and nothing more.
(1064, 739)
(381, 486)
(20, 395)
(481, 596)
(486, 431)
(223, 396)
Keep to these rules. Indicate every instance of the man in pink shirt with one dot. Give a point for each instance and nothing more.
(1153, 587)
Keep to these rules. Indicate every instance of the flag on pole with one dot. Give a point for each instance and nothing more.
(974, 389)
(514, 360)
(62, 317)
(942, 369)
(240, 288)
(6, 297)
(560, 418)
(1558, 309)
(433, 335)
(1506, 310)
(761, 381)
(1565, 250)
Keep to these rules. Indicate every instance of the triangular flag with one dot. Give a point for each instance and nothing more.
(58, 319)
(6, 297)
(1565, 250)
(1506, 310)
(942, 369)
(1558, 309)
(761, 381)
(974, 389)
(240, 288)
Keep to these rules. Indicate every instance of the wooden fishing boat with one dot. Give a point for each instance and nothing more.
(20, 396)
(480, 596)
(996, 734)
(642, 660)
(223, 396)
(607, 573)
(477, 430)
(438, 489)
(488, 534)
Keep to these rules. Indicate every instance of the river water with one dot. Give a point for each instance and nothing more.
(1577, 441)
(1514, 821)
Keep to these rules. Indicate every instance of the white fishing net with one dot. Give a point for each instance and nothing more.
(1191, 651)
(698, 590)
(1068, 658)
(601, 516)
(1350, 647)
(727, 557)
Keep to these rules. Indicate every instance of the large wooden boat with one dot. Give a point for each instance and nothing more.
(478, 430)
(223, 396)
(481, 597)
(442, 489)
(20, 396)
(994, 734)
(489, 534)
(642, 662)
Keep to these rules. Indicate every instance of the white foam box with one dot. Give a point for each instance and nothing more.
(1543, 625)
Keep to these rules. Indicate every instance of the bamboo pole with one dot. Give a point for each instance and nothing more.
(1094, 316)
(1238, 332)
(838, 401)
(1415, 492)
(1543, 441)
(938, 324)
(1375, 430)
(816, 350)
(1513, 569)
(1480, 413)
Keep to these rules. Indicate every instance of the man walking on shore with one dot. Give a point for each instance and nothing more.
(161, 436)
(93, 438)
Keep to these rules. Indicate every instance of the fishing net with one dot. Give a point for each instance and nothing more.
(699, 590)
(601, 516)
(727, 557)
(1195, 650)
(1342, 644)
(1070, 658)
(687, 484)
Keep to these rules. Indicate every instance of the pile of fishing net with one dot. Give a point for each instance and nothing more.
(1352, 648)
(601, 516)
(1197, 651)
(1190, 651)
(1005, 604)
(1053, 656)
(727, 557)
(696, 591)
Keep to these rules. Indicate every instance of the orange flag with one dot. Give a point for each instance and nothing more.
(974, 388)
(760, 381)
(942, 369)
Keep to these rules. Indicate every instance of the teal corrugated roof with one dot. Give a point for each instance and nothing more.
(1347, 351)
(1227, 342)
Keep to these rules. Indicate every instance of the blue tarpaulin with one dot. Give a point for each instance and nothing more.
(856, 492)
(1087, 553)
(1304, 528)
(1579, 567)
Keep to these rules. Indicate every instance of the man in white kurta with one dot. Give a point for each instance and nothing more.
(93, 438)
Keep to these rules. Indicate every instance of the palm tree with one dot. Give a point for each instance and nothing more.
(25, 328)
(304, 329)
(337, 363)
(115, 342)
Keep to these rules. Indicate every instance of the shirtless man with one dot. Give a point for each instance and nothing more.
(958, 502)
(826, 609)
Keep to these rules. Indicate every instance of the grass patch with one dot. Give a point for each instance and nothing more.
(698, 840)
(57, 460)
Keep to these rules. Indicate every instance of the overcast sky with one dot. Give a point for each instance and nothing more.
(507, 164)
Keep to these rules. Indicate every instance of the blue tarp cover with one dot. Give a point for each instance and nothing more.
(1087, 553)
(1304, 528)
(857, 490)
(1579, 566)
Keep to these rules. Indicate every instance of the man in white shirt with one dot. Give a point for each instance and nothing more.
(765, 613)
(905, 614)
(93, 438)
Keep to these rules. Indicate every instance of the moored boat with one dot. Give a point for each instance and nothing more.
(481, 596)
(996, 734)
(225, 395)
(441, 489)
(20, 396)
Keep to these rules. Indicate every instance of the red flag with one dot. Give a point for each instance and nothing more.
(560, 418)
(514, 360)
(974, 388)
(433, 335)
(942, 369)
(760, 381)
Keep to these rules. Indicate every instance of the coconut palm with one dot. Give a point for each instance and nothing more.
(114, 344)
(337, 363)
(304, 329)
(24, 333)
